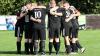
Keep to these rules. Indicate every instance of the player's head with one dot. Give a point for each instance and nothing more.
(28, 5)
(61, 3)
(66, 5)
(52, 3)
(40, 3)
(34, 5)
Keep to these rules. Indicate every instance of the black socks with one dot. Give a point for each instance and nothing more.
(78, 45)
(57, 45)
(31, 48)
(74, 47)
(18, 47)
(50, 47)
(26, 48)
(68, 49)
(35, 48)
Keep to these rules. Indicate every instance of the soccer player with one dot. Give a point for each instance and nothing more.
(67, 25)
(38, 18)
(75, 26)
(54, 26)
(28, 29)
(19, 28)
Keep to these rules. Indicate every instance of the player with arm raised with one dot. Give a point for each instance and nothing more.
(54, 26)
(19, 28)
(28, 30)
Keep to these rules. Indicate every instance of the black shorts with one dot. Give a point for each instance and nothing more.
(67, 31)
(28, 31)
(19, 30)
(74, 32)
(54, 32)
(39, 34)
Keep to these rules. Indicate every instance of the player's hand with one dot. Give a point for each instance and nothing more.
(53, 10)
(73, 15)
(54, 13)
(39, 20)
(67, 20)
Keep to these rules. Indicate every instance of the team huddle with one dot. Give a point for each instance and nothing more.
(62, 21)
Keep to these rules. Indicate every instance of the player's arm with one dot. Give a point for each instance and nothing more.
(36, 20)
(53, 11)
(24, 11)
(33, 19)
(70, 17)
(23, 14)
(20, 15)
(77, 13)
(58, 14)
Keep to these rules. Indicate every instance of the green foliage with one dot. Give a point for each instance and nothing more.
(87, 6)
(10, 7)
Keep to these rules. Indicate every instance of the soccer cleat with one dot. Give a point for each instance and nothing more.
(31, 52)
(42, 53)
(82, 50)
(73, 53)
(50, 53)
(57, 53)
(35, 53)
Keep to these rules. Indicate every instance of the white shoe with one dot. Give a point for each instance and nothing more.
(73, 53)
(82, 50)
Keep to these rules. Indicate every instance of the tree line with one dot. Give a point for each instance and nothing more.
(10, 7)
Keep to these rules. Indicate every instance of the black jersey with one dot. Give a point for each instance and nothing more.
(21, 20)
(54, 21)
(27, 17)
(67, 14)
(75, 23)
(39, 13)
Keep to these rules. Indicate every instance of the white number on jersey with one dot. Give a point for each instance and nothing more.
(38, 14)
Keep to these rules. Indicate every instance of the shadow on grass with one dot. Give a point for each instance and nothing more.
(8, 52)
(22, 52)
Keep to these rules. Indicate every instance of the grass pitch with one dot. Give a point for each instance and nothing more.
(90, 39)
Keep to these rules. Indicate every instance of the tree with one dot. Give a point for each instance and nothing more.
(10, 7)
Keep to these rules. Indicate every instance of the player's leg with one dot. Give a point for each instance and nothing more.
(26, 40)
(74, 47)
(67, 41)
(57, 40)
(31, 46)
(26, 46)
(18, 34)
(77, 42)
(35, 36)
(51, 36)
(42, 41)
(30, 39)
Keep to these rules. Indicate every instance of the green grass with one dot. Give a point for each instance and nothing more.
(90, 39)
